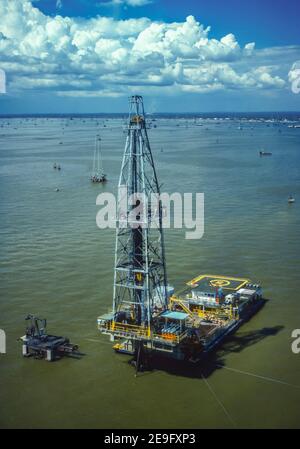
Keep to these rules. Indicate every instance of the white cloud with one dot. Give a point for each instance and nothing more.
(294, 77)
(76, 56)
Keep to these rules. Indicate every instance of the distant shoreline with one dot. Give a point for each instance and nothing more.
(279, 115)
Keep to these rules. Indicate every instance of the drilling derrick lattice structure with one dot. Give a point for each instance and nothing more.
(140, 271)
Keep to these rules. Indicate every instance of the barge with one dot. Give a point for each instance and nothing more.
(197, 320)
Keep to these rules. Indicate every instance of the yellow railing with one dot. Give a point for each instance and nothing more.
(178, 301)
(215, 314)
(130, 328)
(142, 331)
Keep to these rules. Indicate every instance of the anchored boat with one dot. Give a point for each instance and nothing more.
(265, 153)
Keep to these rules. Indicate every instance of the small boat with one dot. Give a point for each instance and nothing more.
(58, 167)
(265, 153)
(98, 174)
(291, 199)
(54, 166)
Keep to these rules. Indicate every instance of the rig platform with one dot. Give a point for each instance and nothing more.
(197, 319)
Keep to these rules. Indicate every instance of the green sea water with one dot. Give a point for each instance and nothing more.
(56, 263)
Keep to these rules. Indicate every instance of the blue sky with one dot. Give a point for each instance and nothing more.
(276, 22)
(189, 56)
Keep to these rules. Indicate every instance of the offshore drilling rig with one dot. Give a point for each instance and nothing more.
(140, 282)
(147, 318)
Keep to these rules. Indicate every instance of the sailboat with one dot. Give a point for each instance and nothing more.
(98, 174)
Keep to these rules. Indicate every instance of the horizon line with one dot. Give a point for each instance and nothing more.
(19, 114)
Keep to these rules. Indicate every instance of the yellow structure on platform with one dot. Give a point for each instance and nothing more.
(129, 328)
(175, 300)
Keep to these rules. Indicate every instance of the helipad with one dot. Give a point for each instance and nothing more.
(215, 280)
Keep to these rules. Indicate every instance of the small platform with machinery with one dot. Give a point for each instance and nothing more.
(37, 343)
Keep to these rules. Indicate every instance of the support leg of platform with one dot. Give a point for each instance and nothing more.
(25, 351)
(49, 356)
